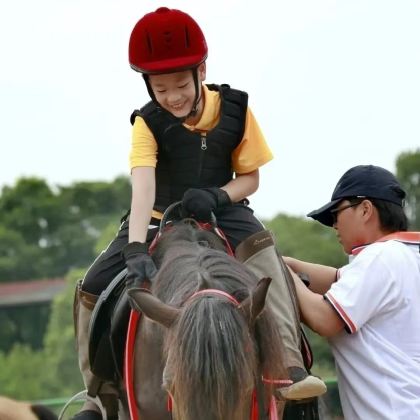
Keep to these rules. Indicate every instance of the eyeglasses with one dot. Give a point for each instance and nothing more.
(335, 212)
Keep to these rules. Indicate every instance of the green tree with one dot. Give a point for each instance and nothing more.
(46, 231)
(408, 172)
(29, 208)
(22, 373)
(306, 240)
(85, 199)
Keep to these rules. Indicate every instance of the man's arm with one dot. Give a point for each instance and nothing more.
(321, 277)
(316, 312)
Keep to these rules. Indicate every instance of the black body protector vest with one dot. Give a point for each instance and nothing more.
(194, 159)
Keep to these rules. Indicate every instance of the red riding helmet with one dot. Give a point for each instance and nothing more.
(166, 41)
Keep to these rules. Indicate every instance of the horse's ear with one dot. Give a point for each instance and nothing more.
(254, 304)
(143, 301)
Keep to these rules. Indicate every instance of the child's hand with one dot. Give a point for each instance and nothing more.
(140, 266)
(200, 203)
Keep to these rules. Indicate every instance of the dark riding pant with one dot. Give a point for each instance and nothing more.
(237, 222)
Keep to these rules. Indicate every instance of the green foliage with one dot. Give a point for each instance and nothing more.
(408, 172)
(44, 232)
(324, 365)
(306, 240)
(21, 373)
(28, 207)
(107, 235)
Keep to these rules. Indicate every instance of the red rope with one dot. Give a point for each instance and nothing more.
(217, 292)
(254, 406)
(273, 410)
(281, 382)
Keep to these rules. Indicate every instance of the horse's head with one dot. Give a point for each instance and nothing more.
(211, 354)
(167, 315)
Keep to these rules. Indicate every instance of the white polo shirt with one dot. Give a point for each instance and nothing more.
(378, 356)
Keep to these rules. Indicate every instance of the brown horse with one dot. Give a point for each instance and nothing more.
(206, 340)
(11, 409)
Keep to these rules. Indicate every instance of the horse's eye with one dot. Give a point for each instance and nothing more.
(204, 244)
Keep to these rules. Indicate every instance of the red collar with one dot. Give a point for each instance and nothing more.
(412, 238)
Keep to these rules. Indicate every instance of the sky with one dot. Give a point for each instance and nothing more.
(333, 84)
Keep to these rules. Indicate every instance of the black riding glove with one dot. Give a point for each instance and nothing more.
(140, 266)
(200, 203)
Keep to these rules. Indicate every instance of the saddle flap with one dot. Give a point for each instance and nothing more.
(118, 332)
(100, 346)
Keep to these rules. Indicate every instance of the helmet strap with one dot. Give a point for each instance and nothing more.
(197, 98)
(149, 88)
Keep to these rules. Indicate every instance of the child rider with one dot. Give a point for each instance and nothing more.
(199, 144)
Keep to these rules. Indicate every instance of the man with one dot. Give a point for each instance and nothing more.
(370, 308)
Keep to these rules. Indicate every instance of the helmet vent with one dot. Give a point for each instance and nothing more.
(149, 42)
(168, 39)
(187, 38)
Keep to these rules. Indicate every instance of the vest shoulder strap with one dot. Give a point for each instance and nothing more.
(143, 112)
(235, 105)
(229, 93)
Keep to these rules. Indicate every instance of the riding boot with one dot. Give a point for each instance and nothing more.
(258, 253)
(84, 304)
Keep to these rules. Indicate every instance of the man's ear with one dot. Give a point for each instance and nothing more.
(202, 72)
(368, 208)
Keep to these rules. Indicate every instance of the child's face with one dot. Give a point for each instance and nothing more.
(175, 92)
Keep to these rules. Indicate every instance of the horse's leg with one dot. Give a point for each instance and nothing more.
(150, 397)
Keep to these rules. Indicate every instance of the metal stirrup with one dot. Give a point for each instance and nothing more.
(83, 396)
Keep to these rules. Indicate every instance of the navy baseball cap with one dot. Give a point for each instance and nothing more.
(362, 181)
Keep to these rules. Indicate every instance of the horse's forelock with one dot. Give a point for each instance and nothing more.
(225, 369)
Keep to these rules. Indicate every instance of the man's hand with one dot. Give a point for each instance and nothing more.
(200, 203)
(140, 266)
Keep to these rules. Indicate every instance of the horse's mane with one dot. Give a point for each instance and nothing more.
(189, 231)
(215, 350)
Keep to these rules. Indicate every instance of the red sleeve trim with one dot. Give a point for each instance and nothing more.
(350, 326)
